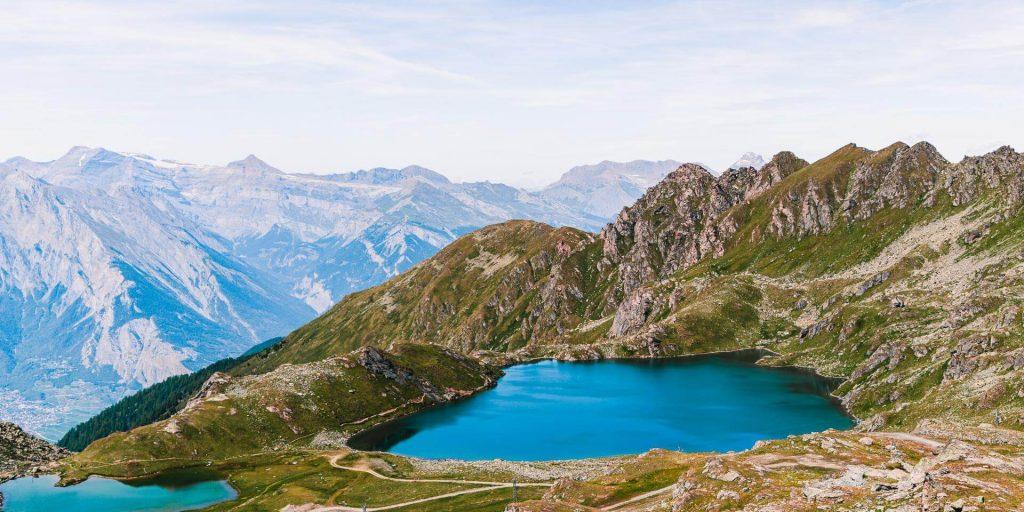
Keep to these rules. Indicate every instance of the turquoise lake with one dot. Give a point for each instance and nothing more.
(553, 410)
(167, 494)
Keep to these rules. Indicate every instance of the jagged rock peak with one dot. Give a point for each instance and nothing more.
(253, 163)
(925, 153)
(688, 171)
(787, 160)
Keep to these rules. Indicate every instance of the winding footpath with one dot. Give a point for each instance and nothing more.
(486, 487)
(640, 497)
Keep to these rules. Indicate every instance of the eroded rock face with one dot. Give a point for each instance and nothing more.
(666, 225)
(899, 178)
(632, 313)
(890, 353)
(965, 357)
(377, 363)
(212, 390)
(681, 220)
(1000, 170)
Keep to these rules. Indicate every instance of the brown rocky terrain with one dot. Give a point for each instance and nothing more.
(931, 470)
(22, 453)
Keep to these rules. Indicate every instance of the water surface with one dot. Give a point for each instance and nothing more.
(172, 493)
(554, 410)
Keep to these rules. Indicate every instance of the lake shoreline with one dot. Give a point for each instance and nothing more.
(384, 435)
(510, 360)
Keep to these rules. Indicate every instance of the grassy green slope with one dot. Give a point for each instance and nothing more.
(293, 406)
(484, 291)
(155, 403)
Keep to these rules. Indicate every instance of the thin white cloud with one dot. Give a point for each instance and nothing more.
(826, 16)
(486, 89)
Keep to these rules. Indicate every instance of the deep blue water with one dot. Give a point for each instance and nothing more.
(555, 410)
(103, 495)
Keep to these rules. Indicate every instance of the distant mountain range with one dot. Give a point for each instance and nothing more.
(604, 188)
(119, 270)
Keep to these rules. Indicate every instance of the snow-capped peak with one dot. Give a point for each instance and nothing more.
(748, 159)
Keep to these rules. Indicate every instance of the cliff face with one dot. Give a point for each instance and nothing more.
(681, 221)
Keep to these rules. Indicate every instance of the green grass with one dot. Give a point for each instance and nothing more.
(326, 396)
(489, 501)
(456, 292)
(636, 485)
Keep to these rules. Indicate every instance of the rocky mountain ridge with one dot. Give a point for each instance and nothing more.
(894, 270)
(835, 264)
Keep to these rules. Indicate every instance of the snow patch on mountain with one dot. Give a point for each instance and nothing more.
(313, 292)
(748, 160)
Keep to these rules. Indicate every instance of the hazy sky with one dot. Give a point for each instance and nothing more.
(506, 91)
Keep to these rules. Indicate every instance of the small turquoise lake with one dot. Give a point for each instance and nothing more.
(166, 494)
(553, 410)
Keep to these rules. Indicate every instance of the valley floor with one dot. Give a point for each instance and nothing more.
(344, 480)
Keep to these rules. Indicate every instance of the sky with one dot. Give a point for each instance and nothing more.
(514, 92)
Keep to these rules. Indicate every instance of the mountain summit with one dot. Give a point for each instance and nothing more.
(748, 159)
(253, 163)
